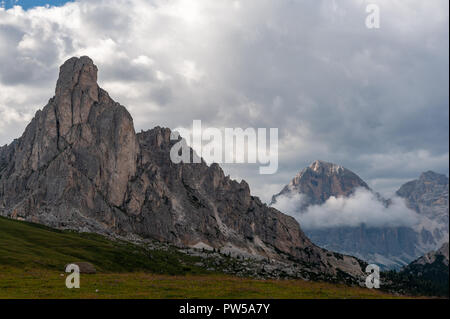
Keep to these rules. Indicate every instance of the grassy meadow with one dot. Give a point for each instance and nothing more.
(32, 260)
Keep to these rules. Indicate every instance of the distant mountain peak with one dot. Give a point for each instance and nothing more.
(321, 180)
(319, 166)
(430, 176)
(387, 246)
(80, 165)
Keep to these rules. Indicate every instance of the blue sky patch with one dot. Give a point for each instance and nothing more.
(27, 4)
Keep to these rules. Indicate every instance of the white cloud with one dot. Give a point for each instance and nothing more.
(10, 119)
(362, 207)
(190, 71)
(290, 204)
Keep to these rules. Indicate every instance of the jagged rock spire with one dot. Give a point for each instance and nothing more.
(77, 72)
(76, 92)
(321, 180)
(82, 132)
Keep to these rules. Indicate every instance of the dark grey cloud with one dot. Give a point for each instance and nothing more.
(375, 101)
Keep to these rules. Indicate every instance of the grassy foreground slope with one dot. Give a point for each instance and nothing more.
(25, 245)
(32, 259)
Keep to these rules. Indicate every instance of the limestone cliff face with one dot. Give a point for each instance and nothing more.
(75, 158)
(80, 165)
(193, 204)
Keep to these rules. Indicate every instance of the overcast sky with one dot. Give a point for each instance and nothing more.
(373, 100)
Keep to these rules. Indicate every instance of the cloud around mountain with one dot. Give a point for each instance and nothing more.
(362, 207)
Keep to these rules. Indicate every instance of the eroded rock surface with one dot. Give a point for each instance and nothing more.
(80, 165)
(320, 181)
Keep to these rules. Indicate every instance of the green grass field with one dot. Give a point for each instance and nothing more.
(15, 283)
(32, 260)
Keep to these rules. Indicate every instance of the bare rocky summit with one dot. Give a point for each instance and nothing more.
(433, 268)
(80, 165)
(428, 196)
(71, 166)
(320, 181)
(433, 256)
(84, 267)
(389, 247)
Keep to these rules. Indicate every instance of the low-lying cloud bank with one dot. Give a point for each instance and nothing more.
(363, 207)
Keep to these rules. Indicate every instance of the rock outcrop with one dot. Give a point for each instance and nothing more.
(425, 276)
(440, 255)
(73, 162)
(80, 165)
(84, 267)
(432, 267)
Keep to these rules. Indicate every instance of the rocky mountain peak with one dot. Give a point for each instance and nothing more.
(431, 257)
(80, 165)
(76, 92)
(387, 246)
(428, 196)
(430, 188)
(444, 251)
(77, 72)
(81, 132)
(322, 167)
(321, 180)
(433, 177)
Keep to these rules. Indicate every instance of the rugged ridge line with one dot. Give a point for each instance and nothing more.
(80, 165)
(321, 180)
(389, 247)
